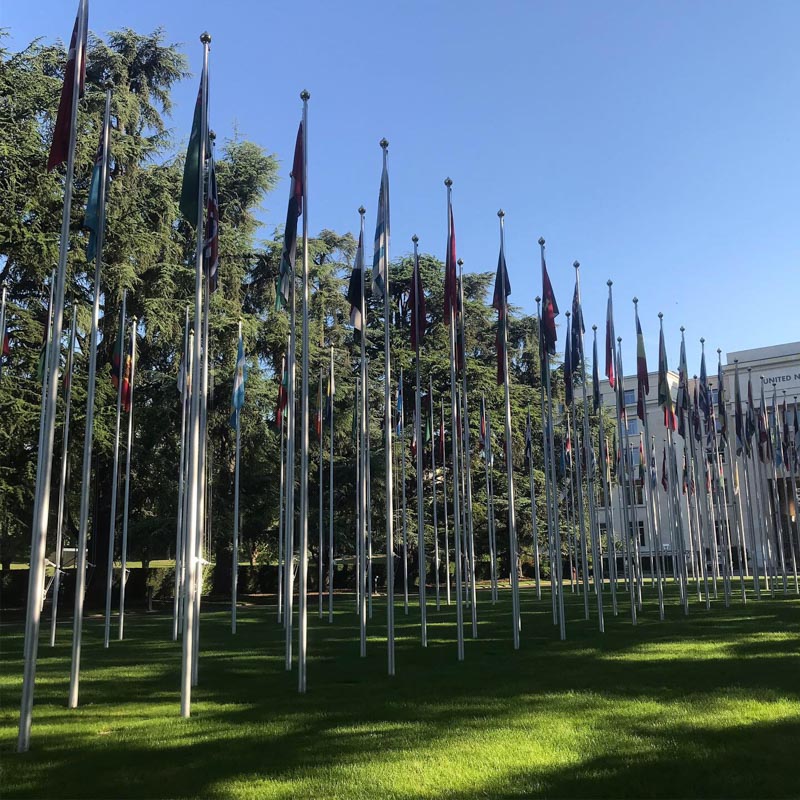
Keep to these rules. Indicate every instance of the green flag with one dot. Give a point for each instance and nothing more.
(191, 167)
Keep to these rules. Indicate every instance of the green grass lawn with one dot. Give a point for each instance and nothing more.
(704, 706)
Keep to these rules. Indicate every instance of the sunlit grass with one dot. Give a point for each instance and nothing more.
(704, 705)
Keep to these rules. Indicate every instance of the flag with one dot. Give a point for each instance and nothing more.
(117, 353)
(91, 219)
(642, 467)
(642, 375)
(380, 264)
(578, 329)
(318, 420)
(76, 58)
(796, 435)
(722, 412)
(416, 300)
(450, 284)
(329, 393)
(786, 440)
(750, 417)
(502, 289)
(354, 293)
(696, 428)
(704, 399)
(685, 485)
(239, 375)
(764, 430)
(283, 395)
(211, 243)
(568, 368)
(41, 364)
(777, 444)
(595, 377)
(440, 450)
(528, 443)
(413, 434)
(293, 212)
(126, 375)
(664, 392)
(459, 321)
(549, 311)
(193, 164)
(682, 402)
(483, 425)
(664, 478)
(653, 467)
(610, 341)
(738, 415)
(400, 419)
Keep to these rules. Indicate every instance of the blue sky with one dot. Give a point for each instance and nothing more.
(654, 142)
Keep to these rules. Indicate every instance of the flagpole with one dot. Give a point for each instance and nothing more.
(192, 521)
(787, 457)
(330, 508)
(320, 545)
(235, 548)
(64, 463)
(587, 449)
(422, 566)
(436, 563)
(488, 464)
(179, 534)
(368, 480)
(281, 494)
(454, 443)
(3, 326)
(112, 533)
(401, 411)
(444, 500)
(363, 507)
(302, 602)
(126, 503)
(185, 478)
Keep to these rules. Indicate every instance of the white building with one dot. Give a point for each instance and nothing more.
(768, 486)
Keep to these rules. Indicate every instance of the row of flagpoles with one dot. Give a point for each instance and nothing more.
(581, 495)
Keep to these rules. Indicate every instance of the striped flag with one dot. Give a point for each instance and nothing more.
(293, 212)
(664, 392)
(683, 401)
(450, 279)
(380, 265)
(502, 289)
(90, 219)
(76, 59)
(354, 291)
(642, 376)
(578, 329)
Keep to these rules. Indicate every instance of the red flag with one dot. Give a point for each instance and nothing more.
(59, 149)
(549, 311)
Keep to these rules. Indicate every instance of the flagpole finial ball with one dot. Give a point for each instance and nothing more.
(702, 340)
(448, 183)
(538, 299)
(619, 340)
(576, 264)
(569, 314)
(541, 241)
(735, 360)
(384, 143)
(682, 329)
(305, 95)
(609, 282)
(719, 351)
(212, 135)
(501, 213)
(108, 84)
(460, 262)
(205, 37)
(661, 315)
(362, 210)
(636, 301)
(594, 327)
(415, 238)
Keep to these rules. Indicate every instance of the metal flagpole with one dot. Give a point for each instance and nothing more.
(359, 507)
(467, 460)
(363, 446)
(3, 326)
(193, 515)
(235, 548)
(370, 582)
(185, 555)
(402, 423)
(446, 523)
(302, 623)
(436, 564)
(291, 457)
(773, 485)
(126, 503)
(64, 463)
(454, 444)
(609, 510)
(534, 525)
(421, 561)
(787, 458)
(513, 547)
(320, 545)
(183, 378)
(330, 506)
(112, 530)
(47, 430)
(281, 505)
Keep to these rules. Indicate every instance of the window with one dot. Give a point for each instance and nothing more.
(635, 456)
(641, 532)
(630, 397)
(632, 426)
(715, 396)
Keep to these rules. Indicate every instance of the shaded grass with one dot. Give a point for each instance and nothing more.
(705, 705)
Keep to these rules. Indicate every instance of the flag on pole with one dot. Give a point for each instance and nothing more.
(664, 478)
(738, 415)
(595, 377)
(696, 428)
(193, 163)
(459, 320)
(568, 368)
(450, 276)
(380, 265)
(440, 452)
(664, 392)
(483, 425)
(126, 376)
(750, 418)
(682, 402)
(502, 289)
(786, 439)
(400, 409)
(117, 353)
(283, 395)
(777, 447)
(76, 59)
(549, 311)
(354, 295)
(329, 393)
(416, 300)
(704, 398)
(528, 443)
(211, 243)
(578, 329)
(237, 398)
(293, 212)
(653, 466)
(90, 220)
(413, 433)
(721, 406)
(610, 341)
(642, 375)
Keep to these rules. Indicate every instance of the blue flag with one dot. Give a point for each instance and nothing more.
(237, 400)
